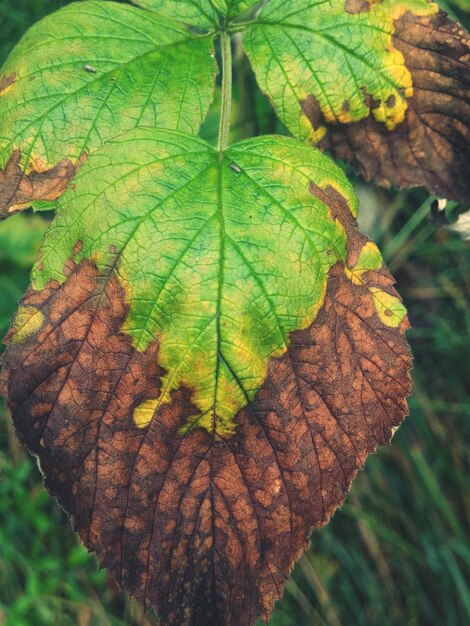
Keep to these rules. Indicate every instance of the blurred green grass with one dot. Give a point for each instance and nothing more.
(398, 552)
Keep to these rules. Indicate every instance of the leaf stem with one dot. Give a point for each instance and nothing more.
(226, 102)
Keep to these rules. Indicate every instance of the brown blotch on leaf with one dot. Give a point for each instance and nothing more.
(78, 247)
(311, 108)
(6, 82)
(339, 210)
(357, 6)
(369, 100)
(431, 147)
(18, 189)
(355, 240)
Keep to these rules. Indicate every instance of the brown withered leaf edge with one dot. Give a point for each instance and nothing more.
(204, 529)
(7, 81)
(431, 147)
(18, 189)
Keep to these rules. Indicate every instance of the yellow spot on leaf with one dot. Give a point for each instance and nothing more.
(315, 134)
(28, 321)
(312, 135)
(6, 84)
(390, 309)
(369, 259)
(6, 89)
(143, 414)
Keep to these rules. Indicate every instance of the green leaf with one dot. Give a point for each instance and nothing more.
(87, 73)
(381, 84)
(234, 8)
(200, 13)
(207, 354)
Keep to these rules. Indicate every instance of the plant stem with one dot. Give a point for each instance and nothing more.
(239, 27)
(226, 102)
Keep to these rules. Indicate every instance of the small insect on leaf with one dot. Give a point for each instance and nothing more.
(235, 168)
(90, 68)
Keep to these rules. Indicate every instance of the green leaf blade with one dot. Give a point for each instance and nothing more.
(201, 13)
(85, 74)
(234, 8)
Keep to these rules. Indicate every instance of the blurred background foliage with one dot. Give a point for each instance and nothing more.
(398, 552)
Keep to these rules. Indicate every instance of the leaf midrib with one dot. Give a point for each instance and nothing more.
(218, 342)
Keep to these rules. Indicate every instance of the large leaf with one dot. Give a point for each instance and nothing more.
(234, 8)
(385, 85)
(87, 73)
(200, 13)
(207, 354)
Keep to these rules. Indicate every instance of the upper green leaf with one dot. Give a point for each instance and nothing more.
(383, 84)
(89, 72)
(234, 8)
(200, 13)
